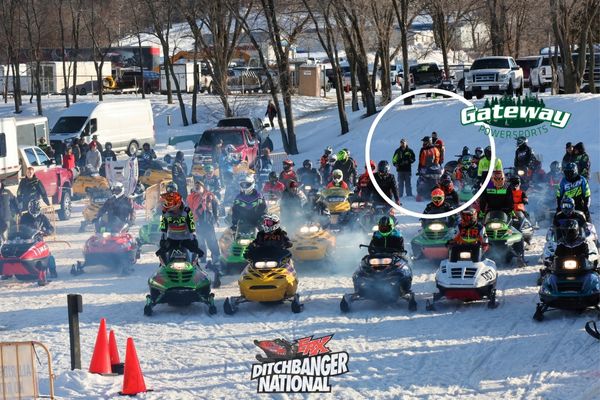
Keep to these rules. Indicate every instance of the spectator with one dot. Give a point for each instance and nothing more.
(31, 188)
(83, 149)
(267, 144)
(439, 144)
(46, 147)
(403, 158)
(204, 207)
(108, 154)
(93, 158)
(97, 143)
(8, 209)
(429, 155)
(179, 174)
(68, 161)
(569, 156)
(271, 112)
(582, 160)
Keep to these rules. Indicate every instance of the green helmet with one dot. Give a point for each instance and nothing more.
(386, 225)
(342, 155)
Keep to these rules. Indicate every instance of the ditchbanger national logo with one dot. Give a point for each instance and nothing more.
(302, 366)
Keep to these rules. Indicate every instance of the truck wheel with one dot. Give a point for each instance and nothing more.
(468, 95)
(132, 148)
(82, 91)
(479, 95)
(65, 206)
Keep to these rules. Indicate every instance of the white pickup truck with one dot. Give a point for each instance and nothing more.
(493, 75)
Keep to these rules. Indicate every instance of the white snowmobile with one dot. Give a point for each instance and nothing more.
(466, 275)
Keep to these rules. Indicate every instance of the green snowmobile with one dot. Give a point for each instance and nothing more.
(233, 245)
(179, 283)
(150, 232)
(505, 240)
(431, 241)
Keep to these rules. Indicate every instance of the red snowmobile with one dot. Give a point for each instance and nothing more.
(26, 256)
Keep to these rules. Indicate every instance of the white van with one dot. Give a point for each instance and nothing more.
(126, 124)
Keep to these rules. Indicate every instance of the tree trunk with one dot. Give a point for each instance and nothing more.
(143, 80)
(17, 86)
(196, 85)
(167, 69)
(402, 16)
(61, 24)
(286, 91)
(98, 67)
(179, 96)
(353, 85)
(592, 66)
(374, 73)
(75, 79)
(38, 84)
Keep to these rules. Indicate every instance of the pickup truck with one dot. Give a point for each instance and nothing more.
(493, 75)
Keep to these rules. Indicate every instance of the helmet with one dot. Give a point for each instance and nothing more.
(208, 168)
(468, 217)
(146, 146)
(426, 140)
(117, 189)
(230, 148)
(287, 165)
(488, 152)
(383, 167)
(34, 208)
(555, 167)
(171, 201)
(570, 231)
(247, 184)
(337, 176)
(465, 150)
(478, 151)
(171, 187)
(328, 150)
(386, 225)
(567, 205)
(437, 197)
(179, 155)
(446, 181)
(521, 140)
(332, 159)
(515, 181)
(307, 164)
(372, 165)
(293, 186)
(108, 145)
(270, 223)
(571, 172)
(273, 177)
(342, 155)
(498, 178)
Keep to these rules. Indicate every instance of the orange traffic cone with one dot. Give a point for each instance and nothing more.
(100, 363)
(115, 360)
(133, 381)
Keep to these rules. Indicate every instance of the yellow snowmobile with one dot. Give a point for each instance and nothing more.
(269, 277)
(96, 199)
(87, 180)
(312, 243)
(336, 205)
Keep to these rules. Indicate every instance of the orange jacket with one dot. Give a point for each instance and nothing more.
(519, 200)
(429, 156)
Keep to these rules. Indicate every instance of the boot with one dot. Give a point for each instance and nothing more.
(53, 273)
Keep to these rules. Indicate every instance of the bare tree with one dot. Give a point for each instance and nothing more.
(321, 14)
(497, 11)
(402, 9)
(32, 23)
(139, 23)
(383, 21)
(75, 10)
(10, 12)
(61, 23)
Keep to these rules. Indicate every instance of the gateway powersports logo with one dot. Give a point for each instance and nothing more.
(527, 117)
(302, 366)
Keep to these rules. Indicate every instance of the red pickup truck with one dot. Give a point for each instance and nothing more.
(245, 145)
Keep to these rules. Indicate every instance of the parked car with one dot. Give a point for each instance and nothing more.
(253, 124)
(540, 75)
(426, 75)
(527, 64)
(493, 75)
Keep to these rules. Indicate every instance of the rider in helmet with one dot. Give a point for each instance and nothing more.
(569, 213)
(270, 234)
(497, 197)
(327, 170)
(273, 185)
(211, 181)
(288, 174)
(325, 157)
(483, 165)
(387, 236)
(519, 196)
(177, 227)
(571, 242)
(249, 205)
(345, 163)
(38, 222)
(576, 187)
(429, 155)
(308, 175)
(555, 175)
(118, 207)
(524, 156)
(469, 230)
(337, 180)
(387, 183)
(364, 182)
(292, 203)
(438, 205)
(447, 186)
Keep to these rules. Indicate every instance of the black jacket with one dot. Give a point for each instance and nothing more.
(494, 199)
(387, 183)
(120, 208)
(403, 159)
(309, 177)
(445, 207)
(8, 206)
(524, 157)
(348, 169)
(393, 241)
(109, 155)
(31, 189)
(40, 223)
(560, 218)
(568, 158)
(277, 238)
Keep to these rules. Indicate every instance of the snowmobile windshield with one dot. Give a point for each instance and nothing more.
(490, 63)
(268, 253)
(68, 125)
(465, 252)
(496, 215)
(23, 233)
(210, 138)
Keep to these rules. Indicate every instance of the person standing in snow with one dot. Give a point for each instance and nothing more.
(271, 112)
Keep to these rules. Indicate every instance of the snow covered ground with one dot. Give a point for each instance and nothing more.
(459, 351)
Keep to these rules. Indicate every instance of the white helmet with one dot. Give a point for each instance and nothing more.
(247, 184)
(337, 176)
(117, 189)
(270, 223)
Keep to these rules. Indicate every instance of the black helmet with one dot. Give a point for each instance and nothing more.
(108, 145)
(273, 177)
(307, 164)
(567, 206)
(445, 180)
(570, 231)
(179, 156)
(383, 167)
(521, 140)
(426, 140)
(555, 167)
(488, 152)
(571, 171)
(385, 225)
(328, 150)
(465, 150)
(515, 181)
(146, 146)
(34, 208)
(478, 151)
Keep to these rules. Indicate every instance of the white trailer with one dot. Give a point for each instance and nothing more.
(52, 77)
(185, 76)
(6, 79)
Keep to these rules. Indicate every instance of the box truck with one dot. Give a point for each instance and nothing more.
(52, 80)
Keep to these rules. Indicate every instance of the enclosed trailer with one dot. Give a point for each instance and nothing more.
(52, 77)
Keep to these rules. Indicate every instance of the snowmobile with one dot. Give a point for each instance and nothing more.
(505, 241)
(179, 283)
(465, 275)
(233, 244)
(88, 179)
(199, 163)
(25, 255)
(150, 232)
(273, 201)
(590, 328)
(312, 243)
(276, 350)
(336, 205)
(431, 240)
(525, 227)
(428, 178)
(572, 283)
(96, 199)
(382, 276)
(112, 246)
(465, 193)
(269, 277)
(154, 176)
(366, 214)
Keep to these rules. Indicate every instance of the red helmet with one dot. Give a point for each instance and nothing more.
(287, 164)
(373, 166)
(171, 201)
(437, 197)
